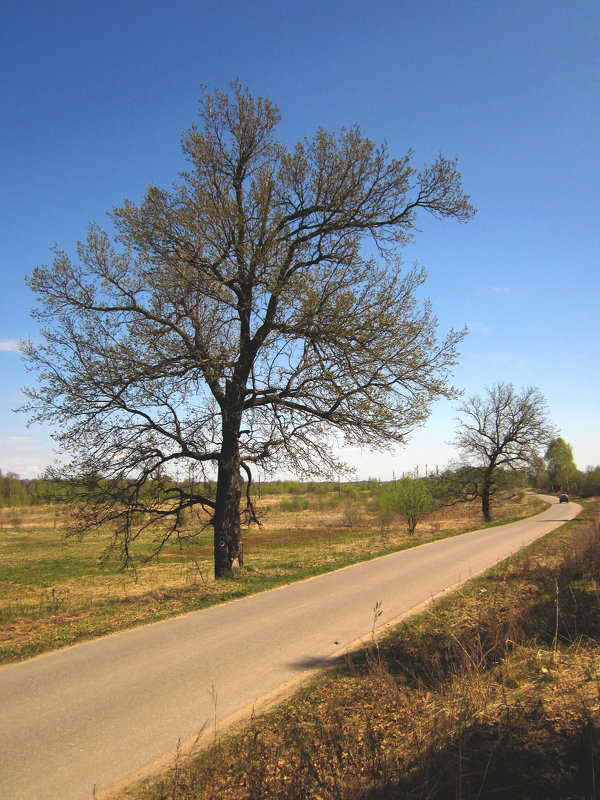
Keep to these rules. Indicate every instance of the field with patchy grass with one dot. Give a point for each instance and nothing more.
(493, 692)
(54, 593)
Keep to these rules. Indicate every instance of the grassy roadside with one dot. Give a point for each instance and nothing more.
(492, 693)
(53, 592)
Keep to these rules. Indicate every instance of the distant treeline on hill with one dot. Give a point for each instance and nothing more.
(15, 491)
(26, 492)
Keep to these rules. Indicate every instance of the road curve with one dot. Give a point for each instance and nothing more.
(100, 713)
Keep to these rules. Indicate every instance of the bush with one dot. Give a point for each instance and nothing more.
(411, 499)
(384, 508)
(295, 504)
(352, 493)
(352, 515)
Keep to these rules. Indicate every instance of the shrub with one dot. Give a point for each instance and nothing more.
(352, 515)
(295, 504)
(384, 508)
(411, 499)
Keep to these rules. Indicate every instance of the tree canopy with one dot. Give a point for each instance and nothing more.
(560, 464)
(238, 321)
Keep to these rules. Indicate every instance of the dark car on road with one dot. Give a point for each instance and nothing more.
(564, 498)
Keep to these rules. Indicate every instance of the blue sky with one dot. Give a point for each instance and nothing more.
(95, 96)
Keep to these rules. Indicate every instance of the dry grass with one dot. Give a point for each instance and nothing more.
(493, 693)
(324, 513)
(53, 592)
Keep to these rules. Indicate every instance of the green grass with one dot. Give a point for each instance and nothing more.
(54, 593)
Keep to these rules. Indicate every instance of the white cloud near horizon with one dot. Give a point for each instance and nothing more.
(20, 453)
(9, 345)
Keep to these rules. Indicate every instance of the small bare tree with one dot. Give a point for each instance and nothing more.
(235, 321)
(503, 429)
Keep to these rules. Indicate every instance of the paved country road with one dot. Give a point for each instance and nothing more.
(100, 713)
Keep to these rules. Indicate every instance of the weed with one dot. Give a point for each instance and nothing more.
(53, 601)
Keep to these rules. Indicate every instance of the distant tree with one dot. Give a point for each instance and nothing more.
(413, 500)
(13, 491)
(537, 472)
(236, 322)
(457, 483)
(504, 429)
(410, 498)
(559, 464)
(590, 482)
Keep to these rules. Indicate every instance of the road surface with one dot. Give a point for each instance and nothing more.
(105, 712)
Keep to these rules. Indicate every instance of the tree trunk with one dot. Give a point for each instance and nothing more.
(485, 497)
(228, 549)
(227, 528)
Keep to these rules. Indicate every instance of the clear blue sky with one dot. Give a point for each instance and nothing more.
(95, 96)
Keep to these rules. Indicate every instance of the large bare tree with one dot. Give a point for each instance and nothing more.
(237, 321)
(503, 429)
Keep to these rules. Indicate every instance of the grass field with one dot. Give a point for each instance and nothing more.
(54, 593)
(493, 692)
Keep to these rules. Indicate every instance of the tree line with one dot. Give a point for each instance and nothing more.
(581, 483)
(15, 491)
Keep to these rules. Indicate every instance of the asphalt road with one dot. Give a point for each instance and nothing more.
(102, 713)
